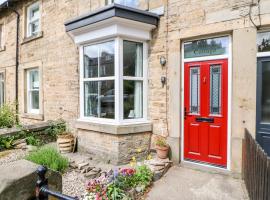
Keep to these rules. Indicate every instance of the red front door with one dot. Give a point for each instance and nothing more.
(205, 101)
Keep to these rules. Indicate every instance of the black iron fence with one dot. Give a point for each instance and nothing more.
(256, 169)
(42, 190)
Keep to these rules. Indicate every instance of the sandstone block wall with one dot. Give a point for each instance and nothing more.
(115, 149)
(182, 20)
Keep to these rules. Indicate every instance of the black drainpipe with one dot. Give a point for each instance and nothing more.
(17, 60)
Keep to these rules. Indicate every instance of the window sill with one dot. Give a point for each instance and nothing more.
(32, 38)
(39, 117)
(3, 48)
(115, 129)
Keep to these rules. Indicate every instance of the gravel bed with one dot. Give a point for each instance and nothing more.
(11, 156)
(73, 183)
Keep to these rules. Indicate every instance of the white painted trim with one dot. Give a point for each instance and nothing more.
(111, 28)
(29, 102)
(229, 109)
(119, 118)
(263, 54)
(29, 9)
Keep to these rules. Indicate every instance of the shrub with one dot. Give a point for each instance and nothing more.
(161, 142)
(7, 116)
(49, 157)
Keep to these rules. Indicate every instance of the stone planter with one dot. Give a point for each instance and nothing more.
(162, 152)
(66, 143)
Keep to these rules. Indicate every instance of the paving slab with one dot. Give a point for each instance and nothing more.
(182, 183)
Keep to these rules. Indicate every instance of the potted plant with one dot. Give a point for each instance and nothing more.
(162, 148)
(66, 142)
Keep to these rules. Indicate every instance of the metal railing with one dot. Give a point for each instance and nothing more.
(42, 189)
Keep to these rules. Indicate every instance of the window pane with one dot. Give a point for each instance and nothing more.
(133, 99)
(265, 92)
(34, 13)
(206, 47)
(133, 59)
(106, 59)
(34, 27)
(99, 99)
(215, 89)
(1, 33)
(263, 42)
(131, 3)
(91, 99)
(2, 89)
(99, 60)
(194, 89)
(35, 99)
(34, 80)
(91, 61)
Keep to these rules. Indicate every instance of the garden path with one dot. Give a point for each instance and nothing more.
(186, 183)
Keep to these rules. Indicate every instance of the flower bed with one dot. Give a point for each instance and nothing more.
(120, 184)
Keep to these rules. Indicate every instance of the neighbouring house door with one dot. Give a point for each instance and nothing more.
(206, 103)
(263, 104)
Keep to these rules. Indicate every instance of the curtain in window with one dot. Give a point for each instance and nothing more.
(138, 102)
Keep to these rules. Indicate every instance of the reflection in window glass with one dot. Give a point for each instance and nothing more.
(215, 89)
(206, 47)
(133, 87)
(265, 109)
(99, 96)
(133, 59)
(263, 42)
(99, 99)
(133, 99)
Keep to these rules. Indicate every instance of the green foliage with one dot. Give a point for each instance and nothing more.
(143, 176)
(161, 142)
(6, 142)
(7, 116)
(49, 157)
(114, 192)
(32, 140)
(56, 128)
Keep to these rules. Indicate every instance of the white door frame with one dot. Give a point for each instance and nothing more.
(206, 58)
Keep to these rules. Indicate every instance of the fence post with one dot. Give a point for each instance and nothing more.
(41, 182)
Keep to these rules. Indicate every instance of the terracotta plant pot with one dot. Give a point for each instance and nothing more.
(66, 143)
(162, 152)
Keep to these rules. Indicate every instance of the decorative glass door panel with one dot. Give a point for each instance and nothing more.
(263, 104)
(205, 100)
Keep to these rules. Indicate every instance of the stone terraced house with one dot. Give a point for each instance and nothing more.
(121, 72)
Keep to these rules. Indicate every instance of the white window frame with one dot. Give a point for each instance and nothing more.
(1, 36)
(32, 20)
(28, 91)
(119, 78)
(2, 81)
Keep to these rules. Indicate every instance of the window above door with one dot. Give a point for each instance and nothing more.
(263, 44)
(130, 3)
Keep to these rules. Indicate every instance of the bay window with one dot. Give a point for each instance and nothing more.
(113, 81)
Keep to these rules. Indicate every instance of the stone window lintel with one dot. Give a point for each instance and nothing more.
(115, 129)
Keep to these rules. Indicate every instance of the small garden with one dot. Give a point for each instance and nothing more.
(39, 146)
